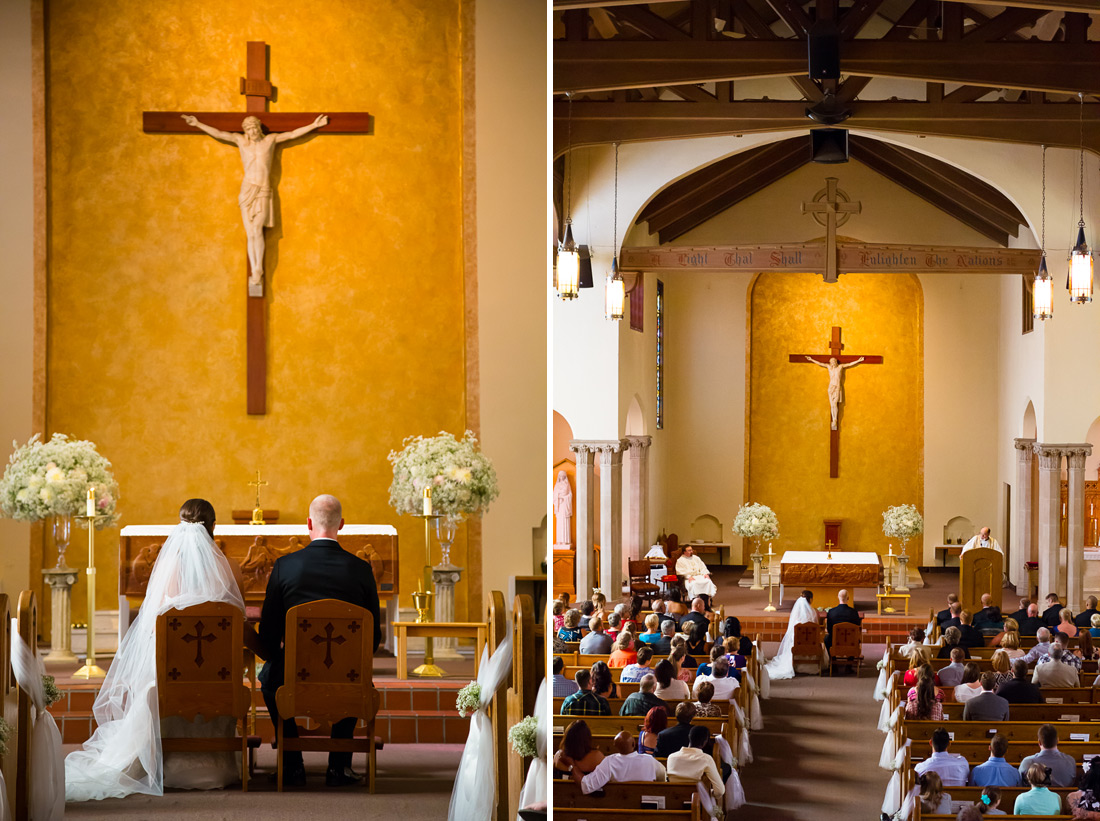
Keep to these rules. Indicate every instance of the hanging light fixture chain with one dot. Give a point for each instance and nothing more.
(568, 150)
(1044, 241)
(615, 215)
(1081, 176)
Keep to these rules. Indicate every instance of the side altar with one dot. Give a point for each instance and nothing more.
(255, 548)
(825, 574)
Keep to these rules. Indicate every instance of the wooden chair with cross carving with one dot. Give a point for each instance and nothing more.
(199, 672)
(807, 647)
(847, 646)
(329, 652)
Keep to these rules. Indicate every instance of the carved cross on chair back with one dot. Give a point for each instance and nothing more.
(200, 660)
(329, 675)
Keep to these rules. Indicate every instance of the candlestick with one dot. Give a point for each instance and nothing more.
(891, 548)
(427, 501)
(91, 502)
(90, 669)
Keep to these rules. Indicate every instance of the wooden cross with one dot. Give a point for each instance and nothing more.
(830, 212)
(200, 638)
(257, 90)
(835, 348)
(329, 641)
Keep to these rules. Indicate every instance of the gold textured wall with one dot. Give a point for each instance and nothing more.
(147, 256)
(881, 427)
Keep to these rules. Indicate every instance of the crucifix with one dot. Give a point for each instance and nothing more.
(831, 212)
(257, 511)
(256, 199)
(835, 363)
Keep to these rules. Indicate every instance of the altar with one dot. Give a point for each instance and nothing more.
(815, 570)
(255, 548)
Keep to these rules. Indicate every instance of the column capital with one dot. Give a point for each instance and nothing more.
(611, 452)
(1050, 455)
(637, 446)
(584, 452)
(1076, 454)
(1025, 445)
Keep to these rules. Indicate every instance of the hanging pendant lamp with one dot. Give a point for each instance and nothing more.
(615, 289)
(1042, 293)
(1079, 279)
(569, 260)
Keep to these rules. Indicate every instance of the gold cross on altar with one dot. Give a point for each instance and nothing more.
(832, 213)
(257, 511)
(829, 544)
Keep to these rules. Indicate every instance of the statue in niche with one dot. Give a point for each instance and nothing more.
(563, 511)
(836, 387)
(256, 199)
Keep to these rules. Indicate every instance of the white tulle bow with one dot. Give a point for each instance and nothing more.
(46, 801)
(735, 793)
(534, 787)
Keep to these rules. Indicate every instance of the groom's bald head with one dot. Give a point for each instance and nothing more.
(326, 516)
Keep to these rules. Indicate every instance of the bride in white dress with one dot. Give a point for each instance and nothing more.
(124, 755)
(782, 665)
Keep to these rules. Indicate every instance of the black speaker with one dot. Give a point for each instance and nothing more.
(584, 274)
(823, 43)
(829, 145)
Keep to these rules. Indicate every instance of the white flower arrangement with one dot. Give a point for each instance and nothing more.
(522, 737)
(460, 476)
(5, 735)
(902, 522)
(468, 699)
(52, 479)
(756, 521)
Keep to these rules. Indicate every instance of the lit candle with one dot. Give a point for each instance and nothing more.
(769, 548)
(891, 548)
(427, 501)
(91, 502)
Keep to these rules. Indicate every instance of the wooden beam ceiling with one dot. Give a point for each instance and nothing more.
(590, 66)
(707, 192)
(1044, 123)
(1083, 6)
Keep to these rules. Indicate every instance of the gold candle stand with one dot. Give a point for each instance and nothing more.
(429, 668)
(771, 580)
(90, 669)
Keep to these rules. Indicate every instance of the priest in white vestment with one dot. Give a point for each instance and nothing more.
(695, 573)
(983, 539)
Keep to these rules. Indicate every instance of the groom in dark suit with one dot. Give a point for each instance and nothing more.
(841, 613)
(321, 570)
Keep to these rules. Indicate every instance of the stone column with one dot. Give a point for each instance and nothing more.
(610, 455)
(445, 577)
(61, 581)
(584, 509)
(1075, 530)
(1050, 515)
(635, 543)
(1021, 547)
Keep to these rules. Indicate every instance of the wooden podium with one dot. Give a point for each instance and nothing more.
(981, 570)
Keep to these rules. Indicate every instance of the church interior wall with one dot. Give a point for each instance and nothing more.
(17, 239)
(366, 303)
(510, 71)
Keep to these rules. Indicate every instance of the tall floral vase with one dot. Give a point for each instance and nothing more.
(61, 527)
(444, 577)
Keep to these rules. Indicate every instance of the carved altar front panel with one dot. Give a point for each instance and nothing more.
(1092, 513)
(255, 548)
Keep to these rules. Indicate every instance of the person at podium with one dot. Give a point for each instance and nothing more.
(983, 539)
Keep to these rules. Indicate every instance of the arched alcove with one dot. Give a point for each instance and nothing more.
(706, 528)
(1028, 427)
(958, 528)
(1092, 463)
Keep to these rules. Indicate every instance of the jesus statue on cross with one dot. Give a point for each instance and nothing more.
(836, 387)
(256, 199)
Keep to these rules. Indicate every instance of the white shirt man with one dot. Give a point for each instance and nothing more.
(625, 765)
(952, 768)
(983, 539)
(725, 685)
(692, 765)
(695, 573)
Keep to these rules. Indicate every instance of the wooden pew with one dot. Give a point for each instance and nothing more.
(1027, 731)
(498, 710)
(617, 704)
(1070, 696)
(28, 629)
(977, 752)
(9, 702)
(624, 795)
(520, 695)
(612, 725)
(1008, 796)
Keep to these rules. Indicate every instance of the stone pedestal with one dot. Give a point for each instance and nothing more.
(445, 577)
(902, 582)
(757, 558)
(61, 581)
